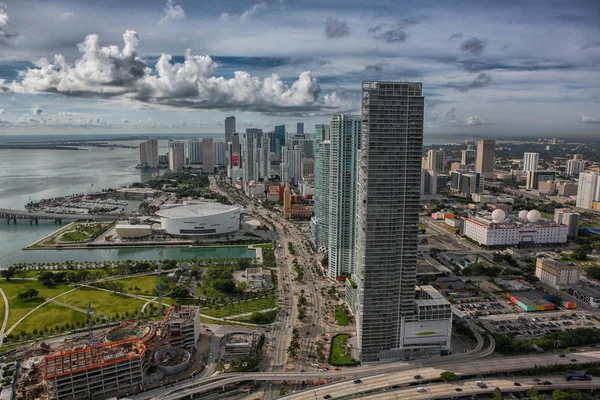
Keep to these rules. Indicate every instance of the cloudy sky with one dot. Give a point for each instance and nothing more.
(487, 67)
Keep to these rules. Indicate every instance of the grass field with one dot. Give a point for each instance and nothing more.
(35, 273)
(340, 316)
(146, 284)
(244, 306)
(263, 246)
(102, 301)
(73, 236)
(18, 308)
(50, 316)
(339, 355)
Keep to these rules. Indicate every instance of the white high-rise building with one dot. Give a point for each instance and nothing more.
(530, 161)
(149, 153)
(588, 190)
(195, 150)
(208, 156)
(320, 221)
(575, 167)
(345, 143)
(249, 145)
(291, 164)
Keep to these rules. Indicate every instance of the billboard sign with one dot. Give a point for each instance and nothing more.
(235, 160)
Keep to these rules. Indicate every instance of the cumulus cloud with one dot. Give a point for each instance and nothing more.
(335, 28)
(482, 80)
(586, 119)
(4, 122)
(392, 33)
(67, 114)
(107, 72)
(473, 46)
(38, 121)
(2, 111)
(6, 35)
(172, 13)
(441, 117)
(246, 15)
(36, 111)
(124, 121)
(474, 121)
(455, 36)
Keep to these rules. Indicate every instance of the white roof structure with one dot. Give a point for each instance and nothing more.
(194, 210)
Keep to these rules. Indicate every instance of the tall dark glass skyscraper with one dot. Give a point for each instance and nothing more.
(388, 206)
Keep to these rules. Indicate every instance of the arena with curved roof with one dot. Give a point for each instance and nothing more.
(199, 219)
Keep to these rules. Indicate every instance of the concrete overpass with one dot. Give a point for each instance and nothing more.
(34, 216)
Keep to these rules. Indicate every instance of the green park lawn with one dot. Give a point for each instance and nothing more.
(73, 236)
(263, 246)
(338, 354)
(18, 308)
(146, 284)
(102, 301)
(241, 307)
(50, 316)
(340, 317)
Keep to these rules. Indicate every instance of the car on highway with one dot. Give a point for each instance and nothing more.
(545, 383)
(562, 355)
(336, 368)
(536, 380)
(418, 377)
(573, 360)
(517, 384)
(327, 396)
(357, 381)
(421, 389)
(458, 389)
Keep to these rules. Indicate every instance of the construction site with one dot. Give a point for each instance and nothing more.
(129, 358)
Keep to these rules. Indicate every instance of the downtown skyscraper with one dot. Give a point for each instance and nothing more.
(345, 143)
(387, 223)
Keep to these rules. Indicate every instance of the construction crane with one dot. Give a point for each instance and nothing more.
(90, 324)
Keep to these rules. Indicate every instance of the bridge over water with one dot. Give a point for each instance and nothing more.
(34, 216)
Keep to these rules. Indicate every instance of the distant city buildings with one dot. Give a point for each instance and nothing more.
(435, 160)
(468, 158)
(208, 156)
(149, 156)
(569, 218)
(300, 128)
(465, 183)
(530, 161)
(588, 190)
(484, 163)
(322, 133)
(575, 167)
(176, 158)
(195, 150)
(220, 152)
(229, 128)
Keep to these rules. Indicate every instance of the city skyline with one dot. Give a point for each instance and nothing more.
(490, 69)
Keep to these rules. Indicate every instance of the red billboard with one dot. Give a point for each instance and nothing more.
(235, 160)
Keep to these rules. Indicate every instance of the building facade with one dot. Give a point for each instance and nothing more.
(435, 160)
(559, 276)
(345, 144)
(176, 158)
(249, 154)
(468, 158)
(569, 218)
(279, 138)
(588, 190)
(208, 156)
(149, 156)
(229, 128)
(300, 128)
(388, 206)
(486, 152)
(489, 234)
(321, 133)
(219, 150)
(320, 221)
(195, 151)
(530, 161)
(575, 167)
(535, 177)
(466, 183)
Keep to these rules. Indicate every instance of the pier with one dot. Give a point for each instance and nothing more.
(34, 216)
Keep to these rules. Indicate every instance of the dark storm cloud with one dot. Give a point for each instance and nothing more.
(590, 45)
(376, 67)
(482, 80)
(335, 28)
(455, 36)
(392, 33)
(473, 46)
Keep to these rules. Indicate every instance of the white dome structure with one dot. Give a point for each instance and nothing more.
(534, 216)
(523, 215)
(498, 216)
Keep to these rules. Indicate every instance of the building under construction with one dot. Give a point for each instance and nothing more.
(120, 365)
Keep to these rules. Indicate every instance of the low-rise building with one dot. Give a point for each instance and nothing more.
(255, 278)
(530, 302)
(569, 218)
(586, 293)
(454, 286)
(558, 275)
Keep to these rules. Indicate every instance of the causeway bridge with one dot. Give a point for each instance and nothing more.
(34, 216)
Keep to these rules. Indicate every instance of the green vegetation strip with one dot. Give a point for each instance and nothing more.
(339, 354)
(241, 307)
(340, 316)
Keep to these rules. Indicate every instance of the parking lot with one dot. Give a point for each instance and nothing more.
(532, 327)
(478, 307)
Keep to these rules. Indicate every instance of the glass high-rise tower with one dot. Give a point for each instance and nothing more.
(320, 221)
(387, 223)
(345, 142)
